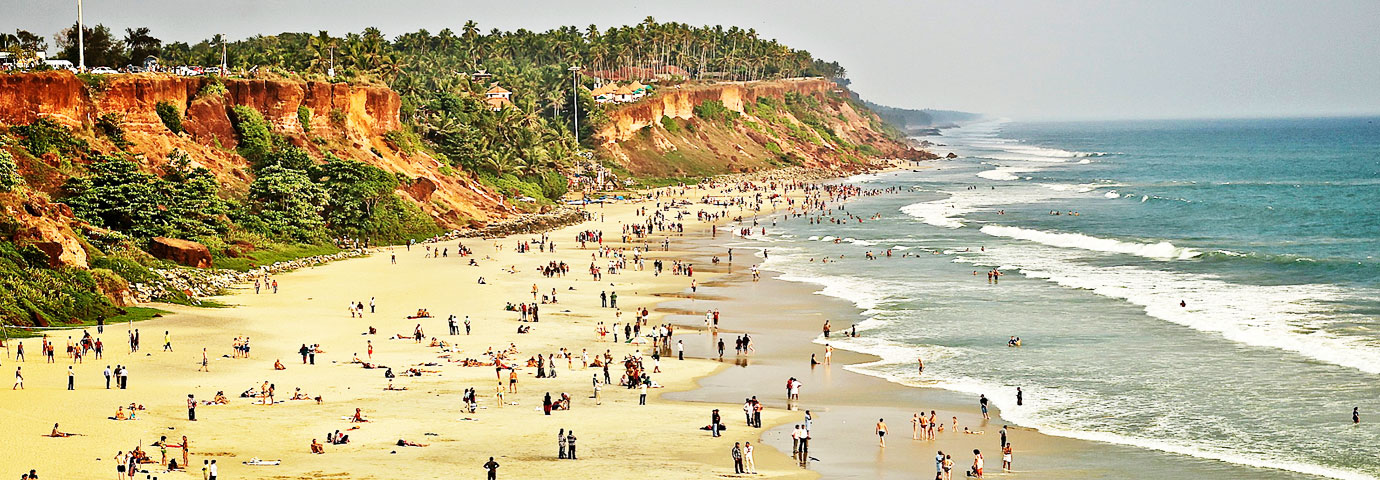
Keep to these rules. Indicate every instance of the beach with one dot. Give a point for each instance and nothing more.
(618, 438)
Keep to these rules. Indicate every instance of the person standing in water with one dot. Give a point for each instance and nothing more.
(1355, 415)
(1019, 397)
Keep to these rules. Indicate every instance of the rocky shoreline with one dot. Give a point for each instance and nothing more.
(188, 284)
(191, 283)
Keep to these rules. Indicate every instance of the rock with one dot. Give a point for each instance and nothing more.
(951, 155)
(420, 189)
(184, 252)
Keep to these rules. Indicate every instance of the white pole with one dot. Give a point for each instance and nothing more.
(574, 92)
(81, 39)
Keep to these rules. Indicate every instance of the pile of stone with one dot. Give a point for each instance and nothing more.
(525, 223)
(197, 282)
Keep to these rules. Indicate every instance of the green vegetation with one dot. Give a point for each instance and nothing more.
(404, 141)
(44, 136)
(118, 196)
(112, 126)
(270, 254)
(9, 172)
(33, 294)
(304, 118)
(715, 111)
(135, 314)
(669, 124)
(170, 115)
(284, 203)
(211, 89)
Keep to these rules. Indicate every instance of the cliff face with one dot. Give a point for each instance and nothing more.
(346, 120)
(764, 136)
(678, 102)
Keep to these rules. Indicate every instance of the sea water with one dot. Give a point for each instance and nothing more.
(1208, 288)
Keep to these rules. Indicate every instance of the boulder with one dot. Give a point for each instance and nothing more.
(183, 252)
(951, 155)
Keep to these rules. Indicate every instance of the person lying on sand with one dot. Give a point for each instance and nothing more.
(966, 431)
(298, 395)
(390, 387)
(405, 443)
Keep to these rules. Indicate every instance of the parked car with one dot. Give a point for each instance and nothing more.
(213, 70)
(103, 70)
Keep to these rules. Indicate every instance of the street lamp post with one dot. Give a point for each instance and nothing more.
(81, 39)
(575, 99)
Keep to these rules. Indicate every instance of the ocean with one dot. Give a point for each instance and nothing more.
(1208, 288)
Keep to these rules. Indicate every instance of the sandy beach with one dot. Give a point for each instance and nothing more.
(618, 438)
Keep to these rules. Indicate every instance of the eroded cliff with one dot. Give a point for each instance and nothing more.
(809, 122)
(348, 121)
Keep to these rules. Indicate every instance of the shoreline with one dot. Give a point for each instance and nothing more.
(781, 315)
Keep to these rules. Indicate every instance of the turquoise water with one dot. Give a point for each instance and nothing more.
(1266, 230)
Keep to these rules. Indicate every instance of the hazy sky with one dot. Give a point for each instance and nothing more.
(1020, 59)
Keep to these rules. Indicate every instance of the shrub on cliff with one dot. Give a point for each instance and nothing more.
(353, 189)
(256, 139)
(304, 118)
(669, 124)
(112, 126)
(212, 88)
(32, 294)
(171, 117)
(9, 172)
(714, 111)
(118, 196)
(284, 203)
(44, 136)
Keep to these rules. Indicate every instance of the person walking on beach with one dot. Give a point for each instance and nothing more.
(597, 387)
(982, 402)
(71, 379)
(492, 467)
(107, 377)
(191, 408)
(881, 433)
(167, 341)
(205, 362)
(737, 454)
(976, 470)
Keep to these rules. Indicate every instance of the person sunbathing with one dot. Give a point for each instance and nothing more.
(966, 431)
(298, 395)
(58, 434)
(405, 443)
(337, 438)
(220, 399)
(390, 387)
(120, 414)
(316, 447)
(358, 418)
(278, 365)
